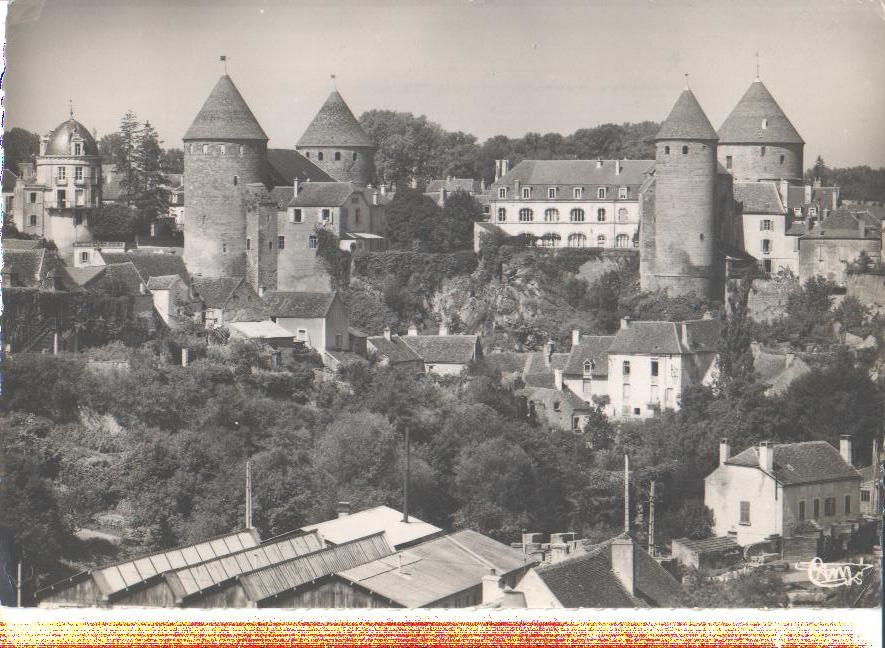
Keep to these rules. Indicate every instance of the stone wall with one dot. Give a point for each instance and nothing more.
(355, 165)
(748, 163)
(767, 300)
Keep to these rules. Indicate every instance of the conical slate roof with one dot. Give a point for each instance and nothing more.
(225, 116)
(335, 125)
(745, 123)
(687, 121)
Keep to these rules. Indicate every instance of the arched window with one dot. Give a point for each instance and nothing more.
(550, 239)
(666, 150)
(636, 240)
(526, 215)
(320, 156)
(577, 240)
(600, 214)
(577, 215)
(622, 214)
(684, 150)
(307, 155)
(337, 155)
(588, 367)
(502, 214)
(600, 240)
(551, 215)
(622, 241)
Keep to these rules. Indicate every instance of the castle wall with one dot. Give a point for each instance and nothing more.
(261, 246)
(356, 164)
(748, 162)
(298, 267)
(647, 278)
(215, 174)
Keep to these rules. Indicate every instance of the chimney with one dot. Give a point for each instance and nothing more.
(383, 188)
(816, 183)
(497, 170)
(442, 197)
(684, 331)
(784, 192)
(185, 357)
(516, 184)
(530, 542)
(343, 509)
(443, 329)
(617, 167)
(625, 323)
(622, 563)
(44, 142)
(724, 451)
(413, 330)
(374, 197)
(491, 586)
(482, 185)
(599, 163)
(576, 337)
(557, 379)
(548, 356)
(807, 194)
(845, 448)
(296, 186)
(505, 167)
(766, 456)
(558, 552)
(386, 332)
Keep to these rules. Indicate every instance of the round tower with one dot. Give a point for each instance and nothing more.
(225, 149)
(336, 143)
(758, 142)
(685, 257)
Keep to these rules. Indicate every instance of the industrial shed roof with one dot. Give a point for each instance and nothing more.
(374, 520)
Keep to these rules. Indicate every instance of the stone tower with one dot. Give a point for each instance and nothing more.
(337, 143)
(684, 256)
(225, 149)
(758, 142)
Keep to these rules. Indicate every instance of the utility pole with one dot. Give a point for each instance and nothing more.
(626, 494)
(651, 519)
(248, 493)
(408, 443)
(18, 586)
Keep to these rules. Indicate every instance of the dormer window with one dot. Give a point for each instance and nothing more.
(588, 367)
(578, 193)
(551, 193)
(526, 193)
(812, 211)
(623, 193)
(78, 148)
(502, 192)
(797, 211)
(600, 193)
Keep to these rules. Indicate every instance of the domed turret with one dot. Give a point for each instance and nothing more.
(64, 138)
(225, 149)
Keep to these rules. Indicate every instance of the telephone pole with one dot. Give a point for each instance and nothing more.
(651, 519)
(18, 586)
(408, 444)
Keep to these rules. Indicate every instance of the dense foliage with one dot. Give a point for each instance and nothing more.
(416, 222)
(856, 183)
(19, 145)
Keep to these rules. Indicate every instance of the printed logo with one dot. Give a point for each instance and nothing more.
(834, 574)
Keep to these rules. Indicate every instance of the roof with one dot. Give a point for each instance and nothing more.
(8, 179)
(578, 173)
(335, 125)
(20, 244)
(844, 224)
(758, 197)
(801, 463)
(454, 184)
(374, 520)
(777, 370)
(819, 196)
(163, 282)
(569, 401)
(869, 473)
(322, 194)
(587, 580)
(215, 291)
(394, 349)
(687, 121)
(269, 581)
(284, 165)
(593, 348)
(436, 569)
(118, 274)
(305, 305)
(265, 330)
(282, 195)
(709, 545)
(666, 337)
(192, 579)
(25, 266)
(225, 115)
(151, 264)
(82, 276)
(745, 123)
(452, 349)
(60, 139)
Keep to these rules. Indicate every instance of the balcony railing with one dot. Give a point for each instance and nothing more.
(61, 182)
(61, 204)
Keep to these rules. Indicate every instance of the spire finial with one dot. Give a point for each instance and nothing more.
(757, 66)
(223, 60)
(334, 83)
(71, 107)
(687, 87)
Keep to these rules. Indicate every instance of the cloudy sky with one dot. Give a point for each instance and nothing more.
(483, 66)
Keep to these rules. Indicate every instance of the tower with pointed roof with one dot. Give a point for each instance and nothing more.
(679, 222)
(757, 141)
(225, 149)
(337, 143)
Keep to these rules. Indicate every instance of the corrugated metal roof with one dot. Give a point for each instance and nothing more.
(281, 577)
(195, 578)
(374, 520)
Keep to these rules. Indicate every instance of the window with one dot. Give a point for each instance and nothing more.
(684, 150)
(764, 124)
(636, 240)
(820, 253)
(205, 148)
(224, 248)
(356, 215)
(78, 148)
(296, 215)
(848, 503)
(344, 215)
(243, 149)
(84, 257)
(32, 220)
(797, 211)
(765, 225)
(302, 335)
(600, 240)
(337, 156)
(236, 180)
(782, 159)
(762, 151)
(320, 156)
(270, 245)
(551, 193)
(600, 214)
(526, 192)
(551, 215)
(865, 496)
(766, 246)
(654, 368)
(502, 214)
(339, 341)
(526, 215)
(625, 392)
(622, 241)
(502, 192)
(578, 193)
(312, 242)
(326, 215)
(588, 367)
(801, 510)
(587, 386)
(223, 149)
(281, 242)
(766, 266)
(745, 513)
(248, 244)
(622, 214)
(728, 162)
(61, 173)
(635, 411)
(550, 240)
(33, 197)
(815, 509)
(830, 506)
(556, 406)
(577, 240)
(666, 150)
(61, 199)
(600, 193)
(355, 156)
(626, 368)
(577, 215)
(307, 155)
(623, 192)
(812, 211)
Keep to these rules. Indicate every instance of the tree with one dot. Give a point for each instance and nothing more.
(152, 196)
(112, 223)
(110, 147)
(19, 145)
(735, 356)
(172, 160)
(454, 229)
(412, 219)
(126, 162)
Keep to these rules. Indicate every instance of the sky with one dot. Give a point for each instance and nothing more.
(486, 67)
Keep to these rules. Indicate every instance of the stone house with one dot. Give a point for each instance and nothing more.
(774, 490)
(764, 226)
(319, 320)
(586, 371)
(442, 354)
(828, 250)
(222, 300)
(171, 295)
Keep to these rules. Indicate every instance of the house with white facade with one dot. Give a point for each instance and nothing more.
(443, 354)
(319, 320)
(766, 226)
(586, 372)
(777, 489)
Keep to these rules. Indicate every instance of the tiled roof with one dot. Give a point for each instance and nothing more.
(8, 179)
(844, 224)
(153, 264)
(118, 274)
(587, 580)
(282, 195)
(225, 116)
(453, 349)
(709, 545)
(593, 348)
(216, 291)
(454, 184)
(759, 197)
(394, 349)
(569, 402)
(284, 165)
(163, 282)
(584, 173)
(374, 520)
(298, 304)
(744, 124)
(24, 266)
(666, 337)
(322, 194)
(21, 244)
(264, 330)
(687, 120)
(869, 473)
(335, 125)
(82, 276)
(436, 569)
(801, 463)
